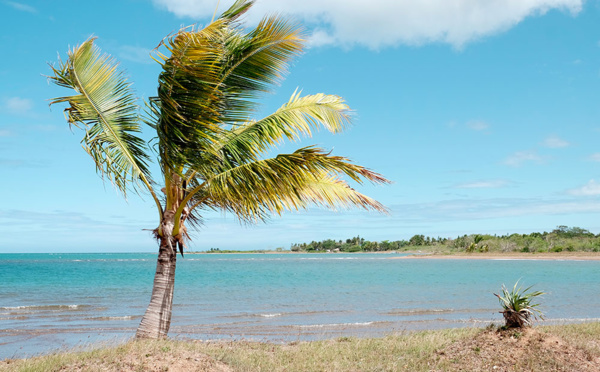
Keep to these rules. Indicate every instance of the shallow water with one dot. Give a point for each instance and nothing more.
(51, 301)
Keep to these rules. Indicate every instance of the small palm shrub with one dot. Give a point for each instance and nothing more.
(519, 309)
(475, 246)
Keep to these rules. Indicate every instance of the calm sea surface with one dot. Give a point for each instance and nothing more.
(53, 301)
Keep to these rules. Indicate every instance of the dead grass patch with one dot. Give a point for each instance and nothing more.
(134, 356)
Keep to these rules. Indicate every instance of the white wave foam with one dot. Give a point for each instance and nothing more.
(336, 325)
(42, 307)
(127, 317)
(270, 315)
(551, 320)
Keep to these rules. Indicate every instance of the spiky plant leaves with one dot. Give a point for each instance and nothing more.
(519, 309)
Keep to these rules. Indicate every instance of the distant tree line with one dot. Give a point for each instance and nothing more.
(358, 244)
(563, 238)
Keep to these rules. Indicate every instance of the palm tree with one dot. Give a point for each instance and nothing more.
(211, 155)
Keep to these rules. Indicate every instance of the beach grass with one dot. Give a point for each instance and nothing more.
(574, 347)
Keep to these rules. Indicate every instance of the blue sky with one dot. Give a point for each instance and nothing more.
(486, 115)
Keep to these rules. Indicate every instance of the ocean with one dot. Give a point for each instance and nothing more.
(50, 302)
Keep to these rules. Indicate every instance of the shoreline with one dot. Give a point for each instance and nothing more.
(558, 256)
(553, 256)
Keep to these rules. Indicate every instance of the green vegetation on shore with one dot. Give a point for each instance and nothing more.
(563, 238)
(551, 348)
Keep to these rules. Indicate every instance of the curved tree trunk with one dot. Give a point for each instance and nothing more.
(157, 319)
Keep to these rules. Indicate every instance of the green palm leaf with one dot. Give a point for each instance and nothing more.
(287, 182)
(211, 79)
(188, 95)
(331, 192)
(105, 106)
(298, 117)
(255, 62)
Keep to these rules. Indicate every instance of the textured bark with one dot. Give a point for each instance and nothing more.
(157, 319)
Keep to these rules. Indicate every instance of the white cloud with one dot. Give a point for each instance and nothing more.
(478, 125)
(381, 23)
(488, 184)
(555, 142)
(21, 7)
(594, 157)
(521, 157)
(5, 133)
(591, 188)
(18, 105)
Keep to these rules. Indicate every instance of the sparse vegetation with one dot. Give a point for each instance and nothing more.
(552, 348)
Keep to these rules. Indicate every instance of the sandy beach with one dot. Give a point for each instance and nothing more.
(559, 256)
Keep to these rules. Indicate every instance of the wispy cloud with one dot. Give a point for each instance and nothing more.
(476, 209)
(487, 184)
(478, 125)
(61, 230)
(555, 142)
(135, 54)
(20, 6)
(520, 158)
(18, 105)
(45, 128)
(22, 163)
(591, 188)
(68, 220)
(594, 157)
(5, 133)
(381, 23)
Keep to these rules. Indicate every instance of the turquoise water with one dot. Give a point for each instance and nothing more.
(51, 301)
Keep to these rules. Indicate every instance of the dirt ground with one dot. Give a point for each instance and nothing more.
(518, 350)
(176, 361)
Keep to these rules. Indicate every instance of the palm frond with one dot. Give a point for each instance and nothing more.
(105, 106)
(236, 10)
(212, 76)
(255, 62)
(188, 93)
(331, 192)
(287, 182)
(300, 116)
